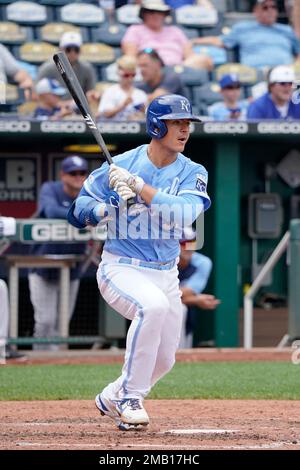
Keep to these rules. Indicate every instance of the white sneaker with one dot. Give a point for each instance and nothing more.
(131, 411)
(108, 408)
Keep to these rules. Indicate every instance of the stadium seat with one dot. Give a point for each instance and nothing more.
(81, 14)
(12, 33)
(27, 108)
(232, 18)
(208, 94)
(110, 34)
(58, 3)
(247, 75)
(52, 32)
(241, 5)
(14, 96)
(128, 14)
(27, 13)
(31, 69)
(97, 54)
(217, 54)
(191, 33)
(190, 76)
(36, 52)
(196, 16)
(297, 71)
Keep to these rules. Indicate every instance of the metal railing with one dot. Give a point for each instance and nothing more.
(248, 298)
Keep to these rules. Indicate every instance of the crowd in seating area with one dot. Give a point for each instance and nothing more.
(234, 60)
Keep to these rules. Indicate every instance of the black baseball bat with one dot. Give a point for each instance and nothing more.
(69, 77)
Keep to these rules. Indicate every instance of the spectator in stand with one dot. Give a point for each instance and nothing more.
(9, 68)
(70, 43)
(50, 105)
(170, 42)
(232, 108)
(123, 101)
(277, 103)
(156, 80)
(262, 42)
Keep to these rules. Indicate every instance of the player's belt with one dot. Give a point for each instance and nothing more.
(110, 257)
(148, 264)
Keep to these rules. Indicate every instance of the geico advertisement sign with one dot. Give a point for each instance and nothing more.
(80, 127)
(15, 126)
(45, 232)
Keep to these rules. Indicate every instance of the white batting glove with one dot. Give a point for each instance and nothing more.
(117, 175)
(124, 191)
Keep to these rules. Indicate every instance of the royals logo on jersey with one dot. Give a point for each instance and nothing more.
(201, 183)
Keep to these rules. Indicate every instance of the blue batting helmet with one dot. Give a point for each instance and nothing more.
(164, 108)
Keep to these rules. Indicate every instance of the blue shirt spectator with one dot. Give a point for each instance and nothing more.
(232, 108)
(263, 45)
(262, 42)
(277, 103)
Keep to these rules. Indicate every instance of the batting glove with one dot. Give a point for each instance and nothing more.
(118, 175)
(124, 191)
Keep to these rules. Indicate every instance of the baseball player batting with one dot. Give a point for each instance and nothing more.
(138, 275)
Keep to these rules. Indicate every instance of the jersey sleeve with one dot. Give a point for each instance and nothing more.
(196, 183)
(97, 184)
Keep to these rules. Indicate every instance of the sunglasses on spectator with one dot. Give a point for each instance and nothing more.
(269, 7)
(72, 48)
(232, 87)
(284, 83)
(77, 173)
(128, 74)
(152, 53)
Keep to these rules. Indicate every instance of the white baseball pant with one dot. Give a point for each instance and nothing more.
(151, 299)
(44, 296)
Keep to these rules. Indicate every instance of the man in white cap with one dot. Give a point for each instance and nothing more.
(71, 43)
(277, 103)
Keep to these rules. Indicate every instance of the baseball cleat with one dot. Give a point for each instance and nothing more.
(131, 411)
(108, 408)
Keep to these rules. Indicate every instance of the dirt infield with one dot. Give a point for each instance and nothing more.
(175, 425)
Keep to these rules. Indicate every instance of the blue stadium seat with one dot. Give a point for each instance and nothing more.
(28, 13)
(190, 76)
(30, 68)
(191, 33)
(81, 14)
(220, 5)
(232, 18)
(209, 93)
(110, 34)
(217, 54)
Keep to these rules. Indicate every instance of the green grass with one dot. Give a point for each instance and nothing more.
(269, 380)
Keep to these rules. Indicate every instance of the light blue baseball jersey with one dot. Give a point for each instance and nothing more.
(135, 233)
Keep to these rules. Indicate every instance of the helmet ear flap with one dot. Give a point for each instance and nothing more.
(157, 128)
